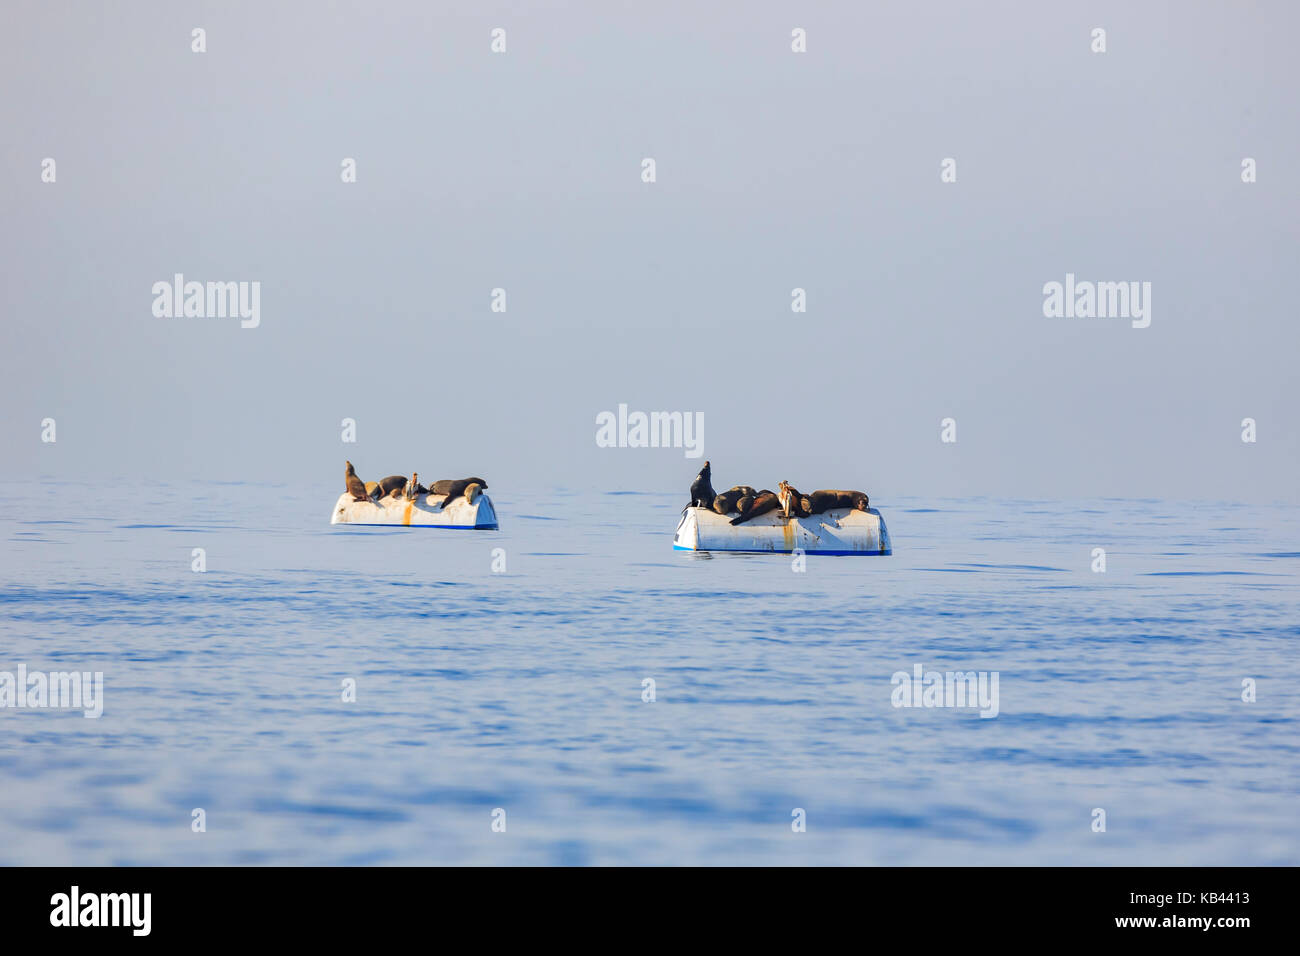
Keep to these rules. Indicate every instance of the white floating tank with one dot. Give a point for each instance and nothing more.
(426, 511)
(839, 531)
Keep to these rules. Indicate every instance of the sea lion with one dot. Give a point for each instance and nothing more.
(725, 503)
(753, 507)
(856, 500)
(354, 485)
(443, 485)
(702, 493)
(454, 488)
(371, 488)
(828, 499)
(387, 486)
(472, 491)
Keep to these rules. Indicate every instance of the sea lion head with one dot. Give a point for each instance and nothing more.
(351, 471)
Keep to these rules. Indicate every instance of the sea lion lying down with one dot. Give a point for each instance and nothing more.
(389, 487)
(453, 488)
(751, 506)
(725, 503)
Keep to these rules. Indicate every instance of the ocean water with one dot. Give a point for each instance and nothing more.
(523, 690)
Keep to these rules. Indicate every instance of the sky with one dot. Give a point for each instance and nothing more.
(775, 170)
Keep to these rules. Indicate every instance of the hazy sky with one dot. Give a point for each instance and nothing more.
(775, 170)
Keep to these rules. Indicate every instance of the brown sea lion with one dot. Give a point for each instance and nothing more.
(387, 486)
(855, 500)
(725, 503)
(828, 499)
(702, 493)
(443, 485)
(454, 488)
(354, 485)
(753, 507)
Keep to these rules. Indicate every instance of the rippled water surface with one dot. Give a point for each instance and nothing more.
(523, 690)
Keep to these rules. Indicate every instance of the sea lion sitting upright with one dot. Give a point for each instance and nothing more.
(392, 485)
(454, 488)
(354, 484)
(725, 503)
(702, 494)
(753, 507)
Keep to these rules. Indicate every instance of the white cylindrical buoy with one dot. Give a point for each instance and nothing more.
(426, 511)
(840, 531)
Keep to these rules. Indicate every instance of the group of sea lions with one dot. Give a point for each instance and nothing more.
(746, 503)
(398, 486)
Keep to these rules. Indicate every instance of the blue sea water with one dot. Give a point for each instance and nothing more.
(523, 690)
